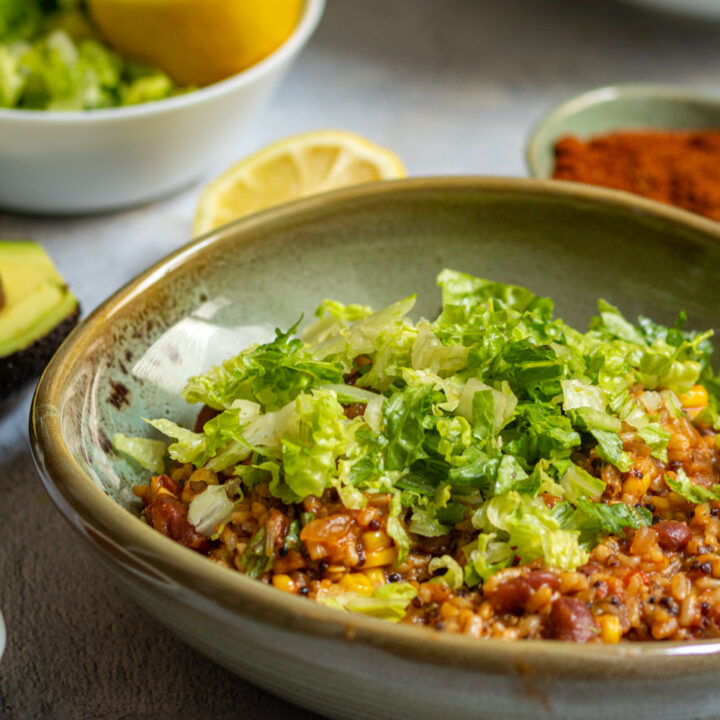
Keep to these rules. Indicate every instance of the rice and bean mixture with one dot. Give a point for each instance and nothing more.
(494, 472)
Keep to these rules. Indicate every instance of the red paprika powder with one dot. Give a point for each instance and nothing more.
(681, 168)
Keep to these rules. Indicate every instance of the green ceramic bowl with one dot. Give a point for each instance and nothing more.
(370, 244)
(619, 107)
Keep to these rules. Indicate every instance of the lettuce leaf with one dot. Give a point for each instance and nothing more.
(429, 353)
(190, 447)
(489, 410)
(333, 317)
(578, 484)
(388, 602)
(657, 439)
(532, 530)
(272, 374)
(20, 19)
(396, 530)
(453, 575)
(52, 59)
(363, 337)
(485, 556)
(467, 290)
(611, 519)
(689, 490)
(211, 508)
(405, 413)
(145, 452)
(310, 458)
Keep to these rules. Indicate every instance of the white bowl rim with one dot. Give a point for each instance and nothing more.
(311, 13)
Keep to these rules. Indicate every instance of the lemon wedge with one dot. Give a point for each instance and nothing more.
(197, 42)
(298, 166)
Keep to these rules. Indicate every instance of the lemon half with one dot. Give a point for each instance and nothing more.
(292, 168)
(197, 42)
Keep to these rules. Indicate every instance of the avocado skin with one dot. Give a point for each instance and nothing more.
(20, 367)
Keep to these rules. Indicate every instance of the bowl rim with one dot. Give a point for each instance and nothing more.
(607, 93)
(311, 14)
(91, 512)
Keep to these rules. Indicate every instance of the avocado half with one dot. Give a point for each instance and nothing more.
(37, 312)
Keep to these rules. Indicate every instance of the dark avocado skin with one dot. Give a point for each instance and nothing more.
(20, 367)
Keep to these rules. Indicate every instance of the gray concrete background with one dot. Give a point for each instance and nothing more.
(453, 86)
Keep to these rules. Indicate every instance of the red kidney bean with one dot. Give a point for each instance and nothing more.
(571, 620)
(672, 535)
(512, 595)
(538, 578)
(276, 527)
(169, 484)
(169, 516)
(353, 410)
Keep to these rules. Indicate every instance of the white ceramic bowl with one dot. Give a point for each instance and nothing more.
(78, 162)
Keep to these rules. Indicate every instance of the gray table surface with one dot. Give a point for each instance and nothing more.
(453, 86)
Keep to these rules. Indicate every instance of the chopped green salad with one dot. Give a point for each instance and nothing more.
(51, 58)
(474, 417)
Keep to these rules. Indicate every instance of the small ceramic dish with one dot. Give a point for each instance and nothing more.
(77, 162)
(369, 244)
(619, 107)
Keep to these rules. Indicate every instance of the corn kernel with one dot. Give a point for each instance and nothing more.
(204, 475)
(284, 583)
(376, 576)
(356, 582)
(379, 558)
(375, 540)
(637, 487)
(696, 397)
(448, 610)
(610, 630)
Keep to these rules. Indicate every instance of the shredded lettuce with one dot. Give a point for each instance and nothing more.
(693, 493)
(429, 353)
(52, 58)
(485, 556)
(595, 519)
(20, 19)
(309, 459)
(272, 374)
(388, 602)
(405, 414)
(189, 447)
(579, 484)
(147, 453)
(212, 507)
(656, 439)
(532, 530)
(396, 530)
(488, 409)
(495, 419)
(333, 317)
(453, 575)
